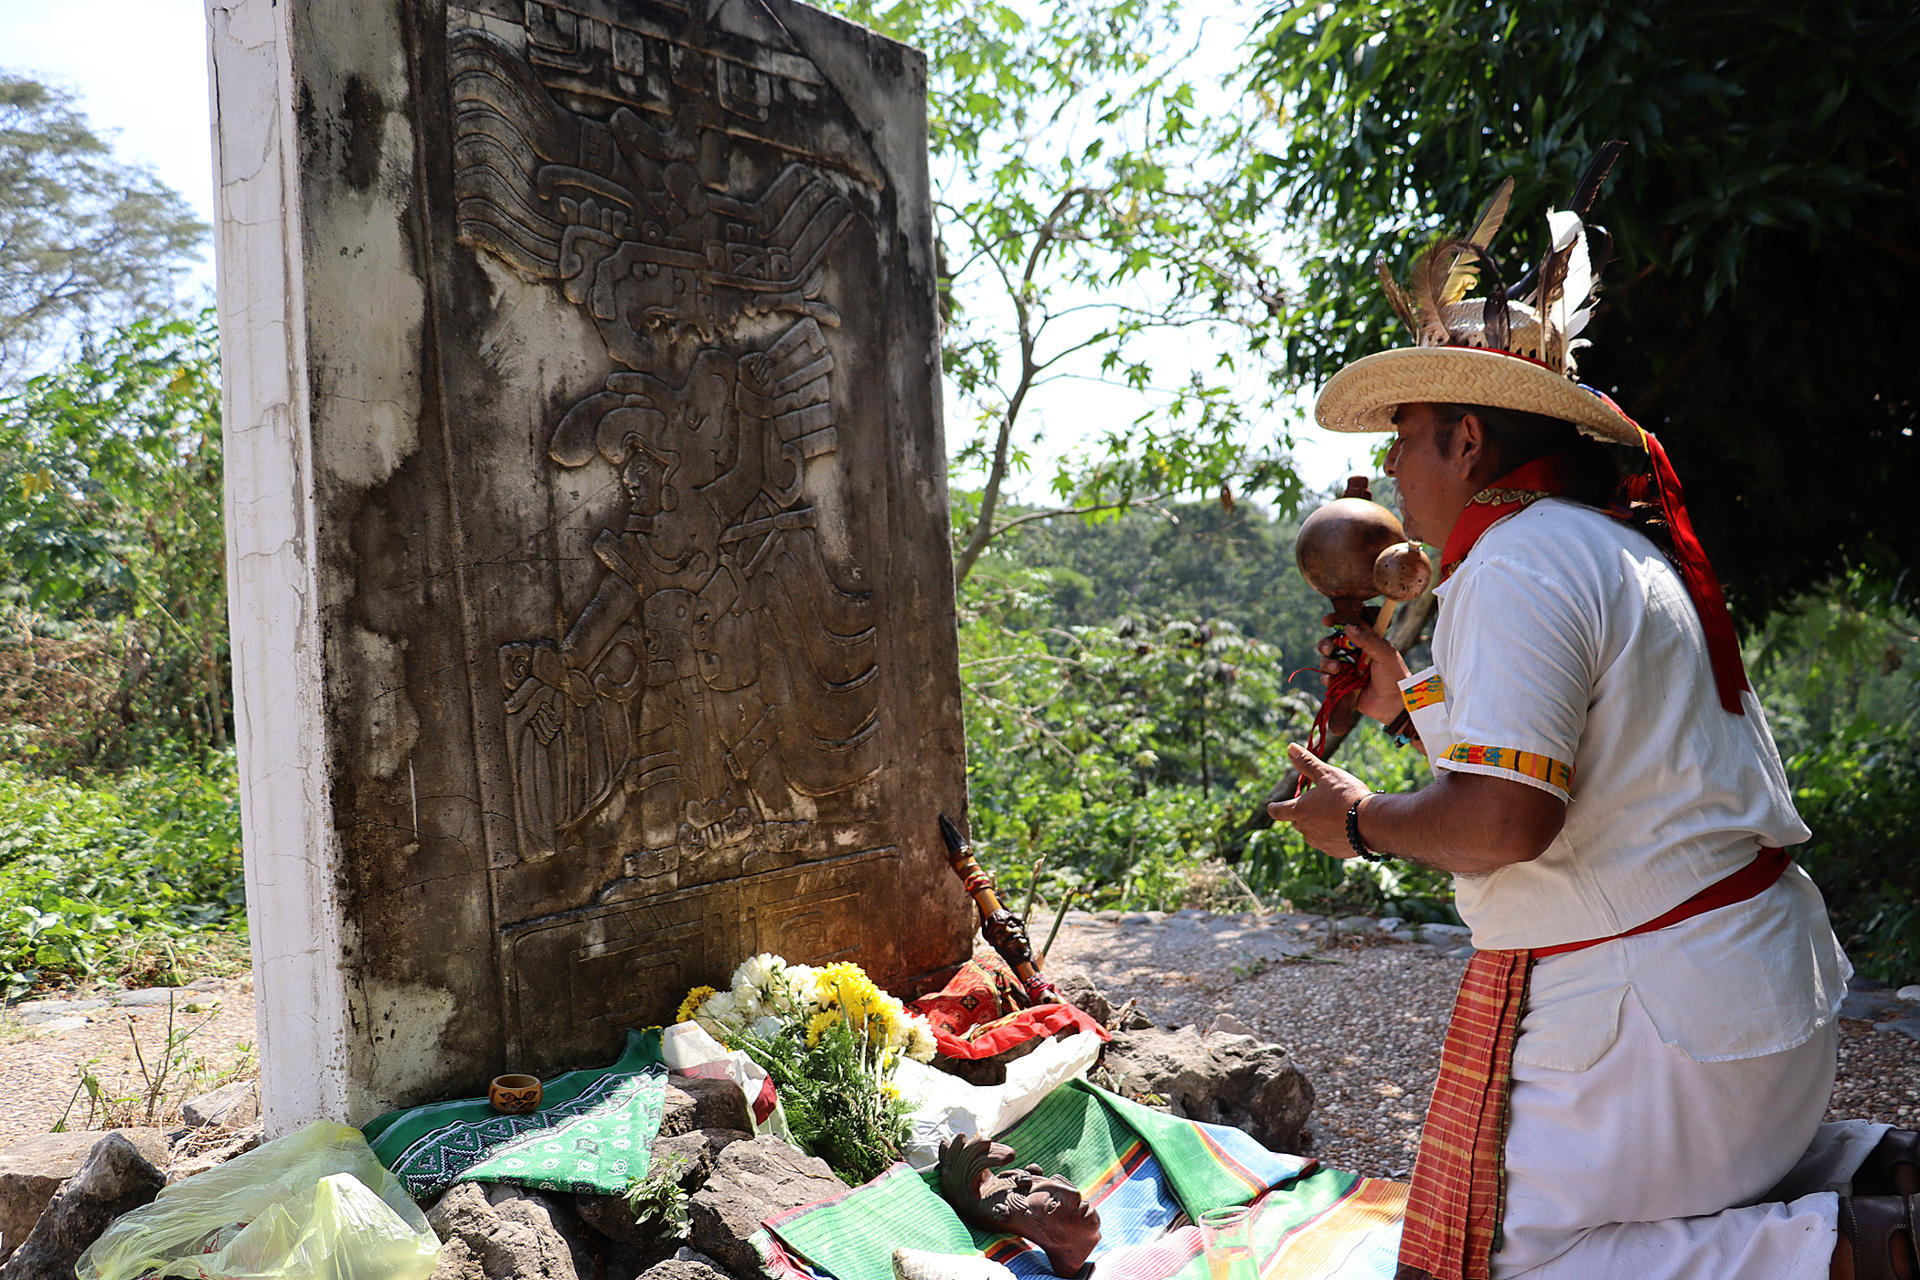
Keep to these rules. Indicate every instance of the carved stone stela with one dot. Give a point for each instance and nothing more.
(707, 704)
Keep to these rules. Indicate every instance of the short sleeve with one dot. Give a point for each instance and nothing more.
(1519, 654)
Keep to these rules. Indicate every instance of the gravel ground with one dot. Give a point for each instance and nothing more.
(1363, 1017)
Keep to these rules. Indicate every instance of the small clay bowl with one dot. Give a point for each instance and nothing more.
(514, 1095)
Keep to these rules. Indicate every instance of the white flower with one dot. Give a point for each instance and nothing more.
(918, 1036)
(767, 1026)
(758, 971)
(720, 1014)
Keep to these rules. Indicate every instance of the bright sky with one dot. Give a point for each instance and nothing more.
(140, 70)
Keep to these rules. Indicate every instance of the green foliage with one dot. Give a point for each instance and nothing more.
(658, 1201)
(1764, 218)
(1118, 765)
(112, 560)
(1279, 862)
(1860, 792)
(1192, 560)
(82, 235)
(838, 1104)
(1088, 205)
(93, 872)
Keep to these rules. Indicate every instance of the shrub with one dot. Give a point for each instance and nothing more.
(96, 873)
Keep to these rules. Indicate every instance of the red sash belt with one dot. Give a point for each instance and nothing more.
(1454, 1204)
(1749, 881)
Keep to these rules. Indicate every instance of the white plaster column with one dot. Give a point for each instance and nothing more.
(292, 853)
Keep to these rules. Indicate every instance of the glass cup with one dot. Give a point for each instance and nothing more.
(1229, 1241)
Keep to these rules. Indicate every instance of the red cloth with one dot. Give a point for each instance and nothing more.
(979, 1012)
(1453, 1206)
(1515, 491)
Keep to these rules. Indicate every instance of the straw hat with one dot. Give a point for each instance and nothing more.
(1364, 395)
(1497, 351)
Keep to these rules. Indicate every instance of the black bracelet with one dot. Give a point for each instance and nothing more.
(1353, 834)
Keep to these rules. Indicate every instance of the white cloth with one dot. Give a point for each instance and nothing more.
(1568, 643)
(1665, 1144)
(1662, 1078)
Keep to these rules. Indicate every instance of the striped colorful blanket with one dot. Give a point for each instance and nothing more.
(1148, 1174)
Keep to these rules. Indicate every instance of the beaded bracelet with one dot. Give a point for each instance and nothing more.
(1353, 835)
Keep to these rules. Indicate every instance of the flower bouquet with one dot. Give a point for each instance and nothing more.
(829, 1039)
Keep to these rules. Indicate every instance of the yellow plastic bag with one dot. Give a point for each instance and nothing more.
(314, 1205)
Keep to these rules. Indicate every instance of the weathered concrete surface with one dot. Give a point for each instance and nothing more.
(591, 585)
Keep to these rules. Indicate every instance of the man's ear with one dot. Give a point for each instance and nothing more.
(1472, 449)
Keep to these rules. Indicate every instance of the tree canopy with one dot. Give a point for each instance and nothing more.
(1089, 202)
(83, 236)
(1766, 222)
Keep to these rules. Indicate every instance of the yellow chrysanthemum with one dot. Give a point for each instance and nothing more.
(818, 1025)
(691, 1005)
(890, 1091)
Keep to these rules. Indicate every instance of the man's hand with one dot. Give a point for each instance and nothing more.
(1381, 698)
(1319, 813)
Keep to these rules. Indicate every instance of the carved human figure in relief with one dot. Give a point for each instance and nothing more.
(721, 676)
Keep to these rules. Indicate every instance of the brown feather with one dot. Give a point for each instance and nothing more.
(1396, 296)
(1464, 271)
(1425, 282)
(1553, 274)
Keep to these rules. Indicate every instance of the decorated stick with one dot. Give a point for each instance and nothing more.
(1002, 928)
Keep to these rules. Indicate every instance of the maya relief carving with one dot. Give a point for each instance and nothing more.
(721, 676)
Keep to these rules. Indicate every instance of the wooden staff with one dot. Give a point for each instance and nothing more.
(1002, 928)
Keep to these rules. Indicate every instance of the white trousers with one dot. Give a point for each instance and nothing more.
(1627, 1169)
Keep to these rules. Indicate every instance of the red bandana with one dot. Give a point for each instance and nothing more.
(1520, 488)
(1548, 477)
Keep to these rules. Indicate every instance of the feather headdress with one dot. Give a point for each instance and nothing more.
(1540, 319)
(1543, 316)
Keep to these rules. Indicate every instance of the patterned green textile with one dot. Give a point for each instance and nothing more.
(592, 1132)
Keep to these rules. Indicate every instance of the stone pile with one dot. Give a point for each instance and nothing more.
(718, 1181)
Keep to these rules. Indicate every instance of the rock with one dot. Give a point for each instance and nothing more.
(236, 1104)
(1219, 1078)
(1871, 1004)
(750, 1181)
(1077, 989)
(52, 1024)
(695, 1102)
(613, 1218)
(114, 1179)
(1350, 925)
(1446, 933)
(513, 1240)
(1226, 1022)
(1908, 1026)
(1391, 924)
(202, 1149)
(685, 1265)
(31, 1171)
(152, 998)
(1909, 993)
(686, 1157)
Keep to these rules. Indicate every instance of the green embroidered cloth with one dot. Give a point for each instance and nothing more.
(591, 1134)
